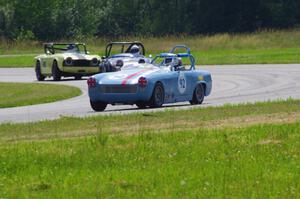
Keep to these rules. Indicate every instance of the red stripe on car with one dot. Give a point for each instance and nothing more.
(132, 75)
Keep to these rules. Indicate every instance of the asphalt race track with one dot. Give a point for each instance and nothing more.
(231, 84)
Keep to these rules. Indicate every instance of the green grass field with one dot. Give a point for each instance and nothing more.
(261, 47)
(223, 152)
(17, 61)
(22, 94)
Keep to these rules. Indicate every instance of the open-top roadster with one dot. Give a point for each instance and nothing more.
(65, 60)
(169, 78)
(118, 54)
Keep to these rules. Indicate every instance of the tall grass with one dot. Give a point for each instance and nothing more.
(269, 39)
(265, 47)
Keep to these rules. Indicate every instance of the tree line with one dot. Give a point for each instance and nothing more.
(59, 19)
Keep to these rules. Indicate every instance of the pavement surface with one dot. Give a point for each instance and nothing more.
(231, 84)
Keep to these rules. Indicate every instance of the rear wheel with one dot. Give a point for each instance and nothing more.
(98, 106)
(56, 74)
(198, 95)
(38, 72)
(158, 96)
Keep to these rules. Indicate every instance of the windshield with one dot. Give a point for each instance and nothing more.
(135, 65)
(173, 62)
(125, 55)
(163, 61)
(133, 48)
(65, 48)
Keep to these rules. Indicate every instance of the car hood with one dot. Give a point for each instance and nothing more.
(122, 55)
(128, 76)
(74, 56)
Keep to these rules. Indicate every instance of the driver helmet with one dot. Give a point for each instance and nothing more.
(135, 50)
(180, 62)
(71, 47)
(168, 61)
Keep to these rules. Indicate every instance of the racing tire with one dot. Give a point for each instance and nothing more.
(109, 67)
(78, 77)
(38, 72)
(56, 74)
(158, 96)
(102, 68)
(198, 95)
(141, 105)
(98, 106)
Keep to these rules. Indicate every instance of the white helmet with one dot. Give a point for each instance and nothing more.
(135, 50)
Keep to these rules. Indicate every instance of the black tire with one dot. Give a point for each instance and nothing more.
(198, 95)
(38, 72)
(98, 106)
(158, 96)
(78, 77)
(56, 74)
(102, 68)
(141, 105)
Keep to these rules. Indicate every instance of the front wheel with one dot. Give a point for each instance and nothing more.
(158, 96)
(198, 95)
(98, 106)
(78, 77)
(55, 72)
(38, 72)
(141, 105)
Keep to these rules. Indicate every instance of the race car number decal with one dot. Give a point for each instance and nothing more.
(181, 83)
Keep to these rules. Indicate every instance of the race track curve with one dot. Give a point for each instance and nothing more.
(231, 84)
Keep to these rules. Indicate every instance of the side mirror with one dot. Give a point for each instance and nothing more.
(150, 56)
(87, 52)
(47, 52)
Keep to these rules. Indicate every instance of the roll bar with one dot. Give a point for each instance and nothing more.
(123, 44)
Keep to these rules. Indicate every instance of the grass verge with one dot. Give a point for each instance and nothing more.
(169, 120)
(18, 61)
(266, 47)
(22, 94)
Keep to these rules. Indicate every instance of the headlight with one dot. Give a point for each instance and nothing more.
(69, 61)
(119, 63)
(95, 62)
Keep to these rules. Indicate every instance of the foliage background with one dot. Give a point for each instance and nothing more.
(60, 19)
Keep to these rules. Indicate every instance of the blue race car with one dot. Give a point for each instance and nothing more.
(118, 54)
(169, 78)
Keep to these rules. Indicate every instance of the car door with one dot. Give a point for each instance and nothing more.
(182, 85)
(43, 62)
(47, 64)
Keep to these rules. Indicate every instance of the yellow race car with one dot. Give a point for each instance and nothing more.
(66, 60)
